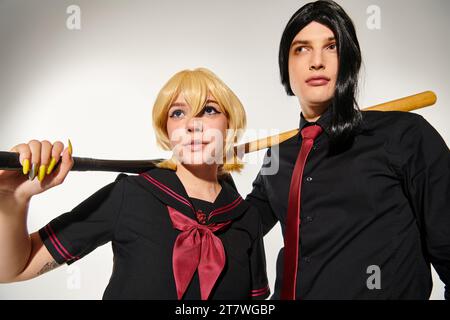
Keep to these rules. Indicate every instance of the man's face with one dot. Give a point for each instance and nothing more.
(313, 65)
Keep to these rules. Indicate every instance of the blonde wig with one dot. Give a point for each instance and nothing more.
(196, 85)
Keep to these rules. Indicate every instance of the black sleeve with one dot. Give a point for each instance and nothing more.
(427, 172)
(91, 224)
(258, 199)
(260, 284)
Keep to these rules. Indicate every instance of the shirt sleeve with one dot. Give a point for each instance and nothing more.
(427, 172)
(260, 284)
(258, 199)
(89, 225)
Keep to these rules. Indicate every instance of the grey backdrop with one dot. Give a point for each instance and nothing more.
(96, 86)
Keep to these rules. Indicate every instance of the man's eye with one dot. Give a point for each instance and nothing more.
(299, 49)
(208, 110)
(332, 46)
(177, 113)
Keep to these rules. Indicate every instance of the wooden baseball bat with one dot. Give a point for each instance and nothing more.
(10, 160)
(406, 104)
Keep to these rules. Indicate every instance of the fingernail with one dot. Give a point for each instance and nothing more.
(70, 147)
(42, 171)
(51, 166)
(26, 166)
(33, 172)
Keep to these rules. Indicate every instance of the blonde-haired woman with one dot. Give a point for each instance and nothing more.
(178, 231)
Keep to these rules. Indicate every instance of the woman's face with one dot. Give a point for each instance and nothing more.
(313, 65)
(197, 139)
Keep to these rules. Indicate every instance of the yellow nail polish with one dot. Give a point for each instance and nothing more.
(26, 166)
(51, 166)
(42, 170)
(33, 172)
(70, 147)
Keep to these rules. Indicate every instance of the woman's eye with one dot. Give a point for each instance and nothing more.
(332, 46)
(177, 113)
(208, 110)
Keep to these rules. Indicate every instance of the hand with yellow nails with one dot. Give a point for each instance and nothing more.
(44, 165)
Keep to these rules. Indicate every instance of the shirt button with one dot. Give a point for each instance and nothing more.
(309, 219)
(309, 179)
(307, 259)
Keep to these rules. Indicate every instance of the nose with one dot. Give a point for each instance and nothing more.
(195, 125)
(317, 61)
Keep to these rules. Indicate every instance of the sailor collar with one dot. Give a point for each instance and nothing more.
(165, 185)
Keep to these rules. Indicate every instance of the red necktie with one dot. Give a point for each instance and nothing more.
(291, 239)
(196, 247)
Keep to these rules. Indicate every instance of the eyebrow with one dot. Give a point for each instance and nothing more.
(178, 104)
(309, 41)
(182, 104)
(211, 101)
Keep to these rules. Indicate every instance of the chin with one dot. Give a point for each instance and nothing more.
(197, 158)
(318, 100)
(192, 158)
(317, 97)
(320, 103)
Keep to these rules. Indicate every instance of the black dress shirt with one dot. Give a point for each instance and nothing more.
(373, 218)
(132, 214)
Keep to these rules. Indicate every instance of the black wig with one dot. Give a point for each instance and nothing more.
(345, 114)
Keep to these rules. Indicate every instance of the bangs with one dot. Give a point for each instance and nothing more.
(196, 89)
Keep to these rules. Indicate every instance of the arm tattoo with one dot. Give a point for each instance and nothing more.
(48, 267)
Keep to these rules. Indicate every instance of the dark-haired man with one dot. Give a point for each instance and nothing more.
(362, 197)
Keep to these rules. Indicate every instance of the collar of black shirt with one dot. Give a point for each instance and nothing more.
(165, 185)
(324, 121)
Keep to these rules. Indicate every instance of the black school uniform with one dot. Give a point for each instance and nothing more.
(138, 214)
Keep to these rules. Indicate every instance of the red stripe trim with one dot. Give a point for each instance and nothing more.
(260, 292)
(167, 190)
(60, 244)
(183, 200)
(55, 245)
(226, 208)
(262, 289)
